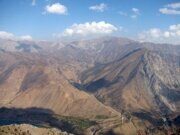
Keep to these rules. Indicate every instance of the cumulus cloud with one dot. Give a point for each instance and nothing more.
(170, 35)
(26, 37)
(174, 5)
(89, 28)
(136, 13)
(100, 8)
(135, 10)
(56, 8)
(171, 9)
(8, 35)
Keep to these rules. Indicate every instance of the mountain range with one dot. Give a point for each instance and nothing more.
(123, 86)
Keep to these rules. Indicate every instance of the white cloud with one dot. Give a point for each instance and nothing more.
(26, 37)
(33, 2)
(7, 35)
(136, 13)
(122, 13)
(133, 16)
(174, 5)
(174, 27)
(171, 9)
(56, 8)
(170, 35)
(100, 8)
(89, 28)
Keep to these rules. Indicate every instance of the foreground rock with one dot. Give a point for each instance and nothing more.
(26, 129)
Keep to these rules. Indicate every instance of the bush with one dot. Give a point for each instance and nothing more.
(101, 117)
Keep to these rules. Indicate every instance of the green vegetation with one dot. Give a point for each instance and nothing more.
(76, 121)
(77, 124)
(101, 117)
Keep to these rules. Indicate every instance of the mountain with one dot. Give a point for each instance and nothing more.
(119, 83)
(141, 80)
(38, 82)
(134, 76)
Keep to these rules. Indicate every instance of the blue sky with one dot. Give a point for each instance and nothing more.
(41, 20)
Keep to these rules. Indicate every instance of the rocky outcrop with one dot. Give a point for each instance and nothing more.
(26, 129)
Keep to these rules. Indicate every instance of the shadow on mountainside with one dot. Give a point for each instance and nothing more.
(146, 116)
(41, 118)
(168, 119)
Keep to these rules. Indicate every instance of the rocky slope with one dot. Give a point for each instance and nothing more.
(142, 80)
(38, 82)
